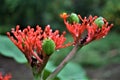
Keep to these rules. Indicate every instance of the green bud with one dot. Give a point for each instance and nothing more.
(99, 21)
(73, 18)
(48, 46)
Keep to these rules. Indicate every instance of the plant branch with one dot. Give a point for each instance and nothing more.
(63, 63)
(38, 69)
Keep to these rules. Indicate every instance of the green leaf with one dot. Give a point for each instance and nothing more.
(71, 71)
(7, 48)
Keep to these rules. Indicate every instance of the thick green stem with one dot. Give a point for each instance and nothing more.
(37, 71)
(63, 63)
(37, 77)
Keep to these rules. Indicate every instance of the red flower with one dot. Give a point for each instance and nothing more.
(87, 25)
(56, 37)
(6, 77)
(29, 41)
(94, 32)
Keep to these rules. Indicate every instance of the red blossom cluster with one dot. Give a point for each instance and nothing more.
(58, 39)
(93, 31)
(6, 77)
(29, 40)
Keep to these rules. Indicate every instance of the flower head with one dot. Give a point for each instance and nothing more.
(30, 40)
(56, 37)
(6, 77)
(95, 28)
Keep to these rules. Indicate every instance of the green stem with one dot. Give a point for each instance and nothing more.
(37, 71)
(63, 63)
(37, 77)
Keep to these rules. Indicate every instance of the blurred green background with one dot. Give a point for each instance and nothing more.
(93, 60)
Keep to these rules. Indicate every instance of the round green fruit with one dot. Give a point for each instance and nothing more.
(73, 18)
(99, 21)
(48, 46)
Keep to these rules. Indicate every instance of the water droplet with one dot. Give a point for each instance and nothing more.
(73, 45)
(34, 57)
(103, 36)
(48, 25)
(58, 50)
(77, 35)
(50, 30)
(38, 62)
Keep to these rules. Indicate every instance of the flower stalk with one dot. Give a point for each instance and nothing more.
(96, 28)
(64, 62)
(37, 71)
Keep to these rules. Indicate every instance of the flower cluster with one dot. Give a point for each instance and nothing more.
(6, 77)
(37, 45)
(29, 41)
(58, 39)
(88, 29)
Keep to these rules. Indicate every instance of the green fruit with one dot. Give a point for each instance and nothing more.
(99, 21)
(73, 18)
(48, 46)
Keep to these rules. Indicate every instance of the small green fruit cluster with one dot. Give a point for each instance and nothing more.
(73, 18)
(99, 21)
(48, 46)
